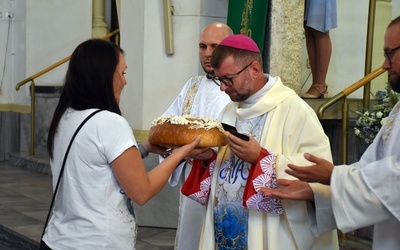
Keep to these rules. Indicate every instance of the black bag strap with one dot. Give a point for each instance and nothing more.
(63, 165)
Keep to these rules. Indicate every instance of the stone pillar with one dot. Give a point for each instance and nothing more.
(47, 98)
(99, 25)
(286, 33)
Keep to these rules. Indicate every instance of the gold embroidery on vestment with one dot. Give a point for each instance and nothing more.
(191, 94)
(389, 124)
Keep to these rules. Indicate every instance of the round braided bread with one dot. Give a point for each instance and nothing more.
(176, 131)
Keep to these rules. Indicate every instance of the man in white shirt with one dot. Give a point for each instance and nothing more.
(366, 192)
(200, 97)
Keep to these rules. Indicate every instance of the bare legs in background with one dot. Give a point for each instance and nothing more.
(319, 49)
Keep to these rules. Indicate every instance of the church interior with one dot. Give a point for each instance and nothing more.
(160, 40)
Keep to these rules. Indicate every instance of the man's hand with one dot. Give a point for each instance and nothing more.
(290, 189)
(200, 154)
(320, 172)
(245, 150)
(156, 149)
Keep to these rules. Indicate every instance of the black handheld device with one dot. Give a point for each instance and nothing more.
(233, 131)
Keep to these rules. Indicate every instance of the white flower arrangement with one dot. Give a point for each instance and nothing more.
(369, 123)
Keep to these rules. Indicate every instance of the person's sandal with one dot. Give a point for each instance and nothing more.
(321, 93)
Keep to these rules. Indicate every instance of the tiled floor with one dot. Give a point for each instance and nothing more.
(25, 198)
(24, 201)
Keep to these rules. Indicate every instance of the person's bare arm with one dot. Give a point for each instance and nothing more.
(140, 186)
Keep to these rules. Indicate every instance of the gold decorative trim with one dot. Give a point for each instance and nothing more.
(15, 108)
(191, 94)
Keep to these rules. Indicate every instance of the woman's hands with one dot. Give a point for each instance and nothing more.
(189, 149)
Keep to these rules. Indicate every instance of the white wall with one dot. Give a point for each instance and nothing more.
(53, 30)
(347, 63)
(155, 78)
(44, 32)
(41, 33)
(50, 30)
(12, 49)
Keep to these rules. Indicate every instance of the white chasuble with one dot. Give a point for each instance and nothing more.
(290, 129)
(367, 192)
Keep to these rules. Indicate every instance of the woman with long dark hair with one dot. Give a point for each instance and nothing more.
(104, 171)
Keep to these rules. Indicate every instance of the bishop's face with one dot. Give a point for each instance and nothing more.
(235, 80)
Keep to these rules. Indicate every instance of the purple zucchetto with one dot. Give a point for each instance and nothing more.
(240, 42)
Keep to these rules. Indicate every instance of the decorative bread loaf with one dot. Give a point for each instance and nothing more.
(175, 131)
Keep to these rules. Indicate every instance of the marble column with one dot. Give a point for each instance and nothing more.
(99, 25)
(286, 34)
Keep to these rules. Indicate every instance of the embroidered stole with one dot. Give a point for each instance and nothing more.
(389, 125)
(191, 94)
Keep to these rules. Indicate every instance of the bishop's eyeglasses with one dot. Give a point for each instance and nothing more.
(228, 81)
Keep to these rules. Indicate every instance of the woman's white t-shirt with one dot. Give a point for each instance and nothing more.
(90, 210)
